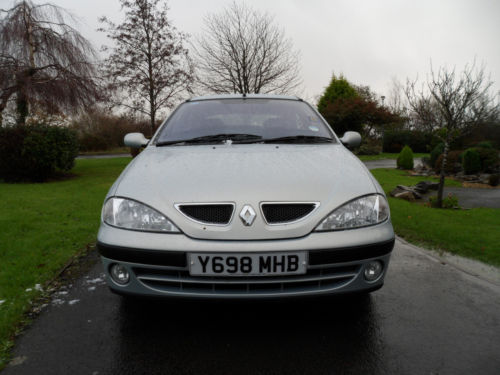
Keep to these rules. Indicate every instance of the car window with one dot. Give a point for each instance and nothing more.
(262, 117)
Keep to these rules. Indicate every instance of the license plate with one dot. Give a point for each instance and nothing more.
(255, 264)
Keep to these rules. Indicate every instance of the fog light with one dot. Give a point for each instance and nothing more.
(119, 274)
(373, 270)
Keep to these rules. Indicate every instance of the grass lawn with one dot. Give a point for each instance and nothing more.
(116, 150)
(385, 155)
(43, 226)
(471, 233)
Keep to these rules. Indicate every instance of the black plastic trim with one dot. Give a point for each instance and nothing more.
(155, 257)
(349, 254)
(179, 258)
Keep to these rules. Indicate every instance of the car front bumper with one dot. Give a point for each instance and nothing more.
(157, 263)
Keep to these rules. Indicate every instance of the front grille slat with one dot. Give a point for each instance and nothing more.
(245, 289)
(283, 213)
(182, 282)
(185, 278)
(214, 214)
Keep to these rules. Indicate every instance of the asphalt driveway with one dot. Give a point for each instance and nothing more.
(429, 318)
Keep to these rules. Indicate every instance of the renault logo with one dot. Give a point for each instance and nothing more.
(247, 215)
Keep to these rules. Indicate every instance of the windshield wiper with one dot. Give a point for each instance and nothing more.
(215, 138)
(299, 139)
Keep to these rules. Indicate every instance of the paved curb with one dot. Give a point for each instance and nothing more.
(477, 269)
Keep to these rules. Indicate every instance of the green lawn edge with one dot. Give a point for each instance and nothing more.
(471, 233)
(385, 155)
(111, 151)
(44, 225)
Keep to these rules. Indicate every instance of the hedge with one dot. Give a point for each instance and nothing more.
(418, 141)
(35, 152)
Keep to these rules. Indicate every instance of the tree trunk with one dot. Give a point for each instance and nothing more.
(153, 120)
(22, 108)
(4, 100)
(22, 104)
(442, 174)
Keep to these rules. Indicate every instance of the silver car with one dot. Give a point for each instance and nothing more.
(245, 196)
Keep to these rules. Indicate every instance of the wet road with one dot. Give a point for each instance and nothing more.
(471, 197)
(429, 318)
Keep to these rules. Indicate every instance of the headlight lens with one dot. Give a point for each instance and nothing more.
(129, 214)
(361, 212)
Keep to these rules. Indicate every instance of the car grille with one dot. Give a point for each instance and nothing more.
(282, 213)
(217, 214)
(181, 282)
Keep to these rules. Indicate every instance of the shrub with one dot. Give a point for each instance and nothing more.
(100, 131)
(453, 162)
(484, 144)
(450, 201)
(91, 142)
(369, 148)
(394, 140)
(35, 152)
(65, 144)
(480, 136)
(405, 158)
(489, 158)
(494, 179)
(436, 152)
(471, 161)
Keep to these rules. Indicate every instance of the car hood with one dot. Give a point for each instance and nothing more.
(245, 175)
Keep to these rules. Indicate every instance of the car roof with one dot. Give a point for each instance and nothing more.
(248, 96)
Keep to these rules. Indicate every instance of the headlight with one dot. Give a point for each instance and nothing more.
(361, 212)
(129, 214)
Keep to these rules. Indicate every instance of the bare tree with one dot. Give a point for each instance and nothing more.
(43, 61)
(453, 103)
(243, 51)
(149, 62)
(396, 100)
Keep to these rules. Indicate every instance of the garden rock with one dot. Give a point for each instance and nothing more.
(412, 193)
(424, 186)
(396, 192)
(406, 195)
(471, 178)
(484, 178)
(422, 170)
(404, 192)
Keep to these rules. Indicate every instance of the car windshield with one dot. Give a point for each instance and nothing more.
(244, 121)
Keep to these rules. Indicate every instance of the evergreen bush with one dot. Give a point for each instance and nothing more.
(405, 158)
(471, 161)
(436, 152)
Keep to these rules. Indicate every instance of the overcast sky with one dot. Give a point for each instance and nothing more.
(369, 41)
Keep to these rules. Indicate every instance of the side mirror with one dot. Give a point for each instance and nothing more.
(351, 139)
(135, 140)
